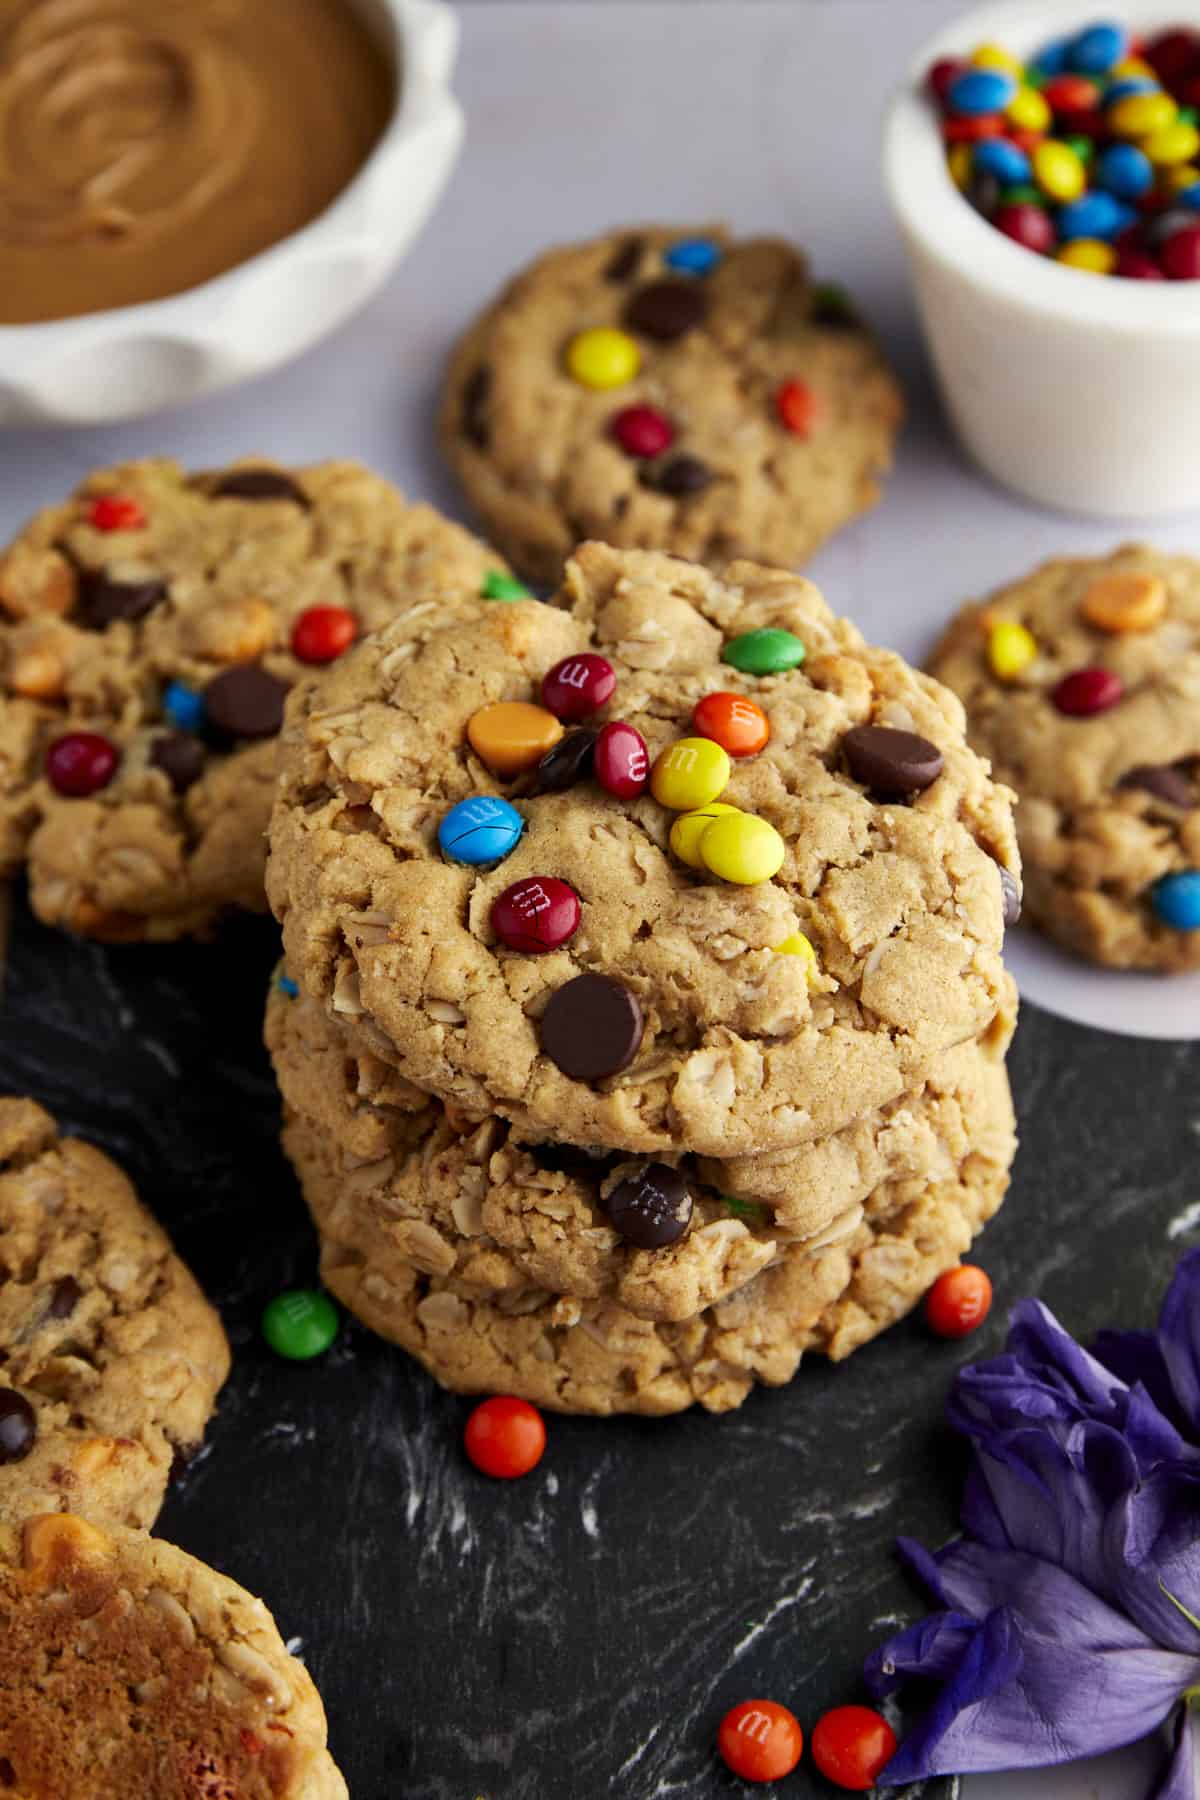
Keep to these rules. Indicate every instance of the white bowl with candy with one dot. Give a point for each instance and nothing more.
(195, 194)
(1062, 308)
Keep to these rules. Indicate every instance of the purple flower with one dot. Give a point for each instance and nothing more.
(1071, 1604)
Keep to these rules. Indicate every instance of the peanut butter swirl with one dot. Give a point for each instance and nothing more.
(146, 145)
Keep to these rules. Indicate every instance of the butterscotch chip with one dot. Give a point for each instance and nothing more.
(125, 631)
(1110, 803)
(127, 1668)
(111, 1356)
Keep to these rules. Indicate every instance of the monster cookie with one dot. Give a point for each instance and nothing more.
(1082, 687)
(130, 1671)
(662, 1239)
(110, 1356)
(150, 629)
(637, 923)
(830, 1294)
(657, 390)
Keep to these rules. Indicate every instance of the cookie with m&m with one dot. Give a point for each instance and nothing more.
(588, 925)
(1081, 683)
(679, 388)
(152, 626)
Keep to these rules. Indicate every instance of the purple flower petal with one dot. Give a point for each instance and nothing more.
(988, 1663)
(1153, 1549)
(932, 1649)
(1038, 1340)
(1178, 1781)
(1179, 1336)
(1136, 1358)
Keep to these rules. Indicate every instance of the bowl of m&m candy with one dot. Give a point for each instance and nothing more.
(1044, 166)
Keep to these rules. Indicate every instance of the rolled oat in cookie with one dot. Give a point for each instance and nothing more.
(151, 627)
(669, 1013)
(112, 1357)
(130, 1669)
(692, 393)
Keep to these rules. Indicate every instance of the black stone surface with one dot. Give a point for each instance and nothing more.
(578, 1633)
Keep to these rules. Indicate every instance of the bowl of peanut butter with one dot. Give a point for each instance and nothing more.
(195, 191)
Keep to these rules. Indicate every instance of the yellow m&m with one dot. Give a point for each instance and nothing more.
(1137, 115)
(1173, 144)
(1058, 170)
(1028, 110)
(1010, 649)
(603, 357)
(797, 945)
(690, 827)
(742, 849)
(689, 774)
(1092, 255)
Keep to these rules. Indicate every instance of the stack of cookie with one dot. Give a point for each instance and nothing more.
(643, 1016)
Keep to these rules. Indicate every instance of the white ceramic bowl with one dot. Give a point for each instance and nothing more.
(1080, 391)
(136, 359)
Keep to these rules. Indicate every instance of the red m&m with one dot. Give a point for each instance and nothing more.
(621, 761)
(323, 633)
(578, 686)
(80, 763)
(116, 512)
(643, 431)
(1086, 692)
(797, 407)
(537, 914)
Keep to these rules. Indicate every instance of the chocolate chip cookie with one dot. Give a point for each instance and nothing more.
(150, 630)
(662, 389)
(1082, 687)
(130, 1669)
(111, 1356)
(590, 917)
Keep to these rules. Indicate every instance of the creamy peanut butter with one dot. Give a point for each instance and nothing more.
(147, 145)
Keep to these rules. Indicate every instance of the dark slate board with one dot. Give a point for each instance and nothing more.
(578, 1633)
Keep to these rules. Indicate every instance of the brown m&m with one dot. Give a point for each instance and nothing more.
(891, 763)
(569, 761)
(592, 1027)
(665, 310)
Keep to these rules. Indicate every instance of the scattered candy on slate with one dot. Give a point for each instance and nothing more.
(592, 1027)
(483, 829)
(651, 1208)
(18, 1426)
(505, 1437)
(621, 761)
(499, 586)
(959, 1301)
(537, 914)
(851, 1746)
(578, 686)
(79, 764)
(323, 633)
(760, 1740)
(1089, 154)
(183, 706)
(116, 512)
(300, 1325)
(512, 735)
(1176, 899)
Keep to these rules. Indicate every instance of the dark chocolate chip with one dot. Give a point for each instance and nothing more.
(103, 598)
(1171, 782)
(65, 1296)
(680, 476)
(477, 391)
(666, 309)
(652, 1207)
(18, 1426)
(625, 261)
(592, 1027)
(180, 756)
(259, 484)
(891, 763)
(568, 762)
(246, 702)
(1010, 894)
(568, 1159)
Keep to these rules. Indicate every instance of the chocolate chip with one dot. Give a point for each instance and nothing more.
(246, 702)
(1171, 782)
(625, 260)
(680, 476)
(103, 598)
(1010, 894)
(568, 1159)
(833, 308)
(652, 1207)
(18, 1426)
(568, 762)
(180, 756)
(65, 1296)
(667, 309)
(259, 484)
(891, 763)
(592, 1027)
(477, 391)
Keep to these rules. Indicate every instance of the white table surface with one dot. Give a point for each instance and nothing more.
(765, 115)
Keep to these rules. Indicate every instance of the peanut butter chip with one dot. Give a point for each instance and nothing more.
(512, 735)
(1124, 600)
(53, 1541)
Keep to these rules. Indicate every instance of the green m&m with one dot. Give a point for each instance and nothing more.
(767, 651)
(301, 1324)
(499, 586)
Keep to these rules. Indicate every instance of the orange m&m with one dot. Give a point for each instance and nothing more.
(511, 735)
(739, 725)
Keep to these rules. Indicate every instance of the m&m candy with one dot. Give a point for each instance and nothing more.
(742, 849)
(483, 829)
(322, 633)
(693, 256)
(511, 735)
(183, 706)
(1176, 900)
(1085, 692)
(1011, 647)
(689, 774)
(79, 764)
(578, 686)
(690, 827)
(537, 914)
(739, 725)
(499, 586)
(768, 651)
(300, 1325)
(621, 761)
(603, 358)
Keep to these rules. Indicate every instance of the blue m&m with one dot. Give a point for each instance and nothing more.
(183, 706)
(979, 91)
(483, 829)
(1124, 170)
(693, 256)
(1095, 50)
(1176, 900)
(1094, 215)
(1005, 160)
